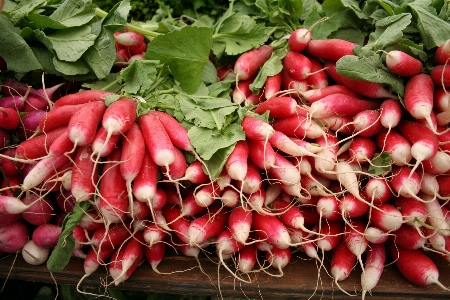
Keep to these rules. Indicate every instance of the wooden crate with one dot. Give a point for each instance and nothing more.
(299, 281)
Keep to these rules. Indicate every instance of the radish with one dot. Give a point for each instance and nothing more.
(113, 190)
(408, 237)
(299, 126)
(9, 118)
(362, 149)
(13, 236)
(256, 129)
(340, 104)
(330, 234)
(293, 86)
(176, 222)
(242, 91)
(240, 222)
(339, 124)
(46, 235)
(436, 216)
(390, 113)
(96, 257)
(81, 128)
(129, 38)
(414, 212)
(352, 207)
(442, 54)
(278, 107)
(354, 238)
(114, 236)
(157, 140)
(299, 39)
(226, 245)
(422, 272)
(33, 254)
(230, 197)
(377, 190)
(386, 217)
(236, 163)
(252, 181)
(207, 194)
(330, 49)
(375, 235)
(272, 85)
(367, 123)
(313, 95)
(317, 78)
(419, 96)
(208, 225)
(403, 64)
(271, 229)
(284, 171)
(282, 142)
(396, 144)
(195, 173)
(84, 175)
(82, 97)
(102, 147)
(440, 75)
(297, 65)
(278, 258)
(91, 221)
(42, 170)
(144, 185)
(347, 177)
(248, 63)
(342, 263)
(190, 207)
(138, 210)
(131, 258)
(373, 267)
(328, 208)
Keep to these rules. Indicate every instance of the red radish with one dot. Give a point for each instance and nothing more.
(247, 258)
(354, 238)
(252, 181)
(91, 221)
(46, 235)
(403, 64)
(440, 75)
(157, 140)
(367, 123)
(330, 234)
(84, 175)
(375, 235)
(279, 258)
(373, 267)
(226, 245)
(367, 88)
(207, 194)
(282, 142)
(82, 97)
(313, 95)
(352, 207)
(242, 91)
(396, 144)
(177, 133)
(158, 201)
(154, 234)
(342, 263)
(5, 138)
(254, 99)
(57, 117)
(101, 146)
(299, 39)
(272, 192)
(29, 122)
(435, 216)
(33, 254)
(295, 86)
(42, 170)
(422, 272)
(284, 171)
(291, 216)
(256, 129)
(299, 126)
(230, 197)
(419, 97)
(377, 190)
(113, 190)
(13, 236)
(339, 124)
(332, 49)
(208, 225)
(390, 113)
(297, 65)
(155, 255)
(176, 222)
(239, 222)
(84, 122)
(236, 163)
(133, 254)
(9, 166)
(224, 72)
(414, 211)
(112, 237)
(317, 78)
(271, 229)
(272, 85)
(386, 217)
(6, 219)
(9, 118)
(61, 145)
(195, 173)
(362, 149)
(129, 38)
(190, 207)
(442, 54)
(248, 63)
(347, 177)
(408, 237)
(340, 104)
(428, 184)
(262, 154)
(256, 201)
(138, 210)
(328, 208)
(119, 116)
(95, 258)
(278, 107)
(144, 185)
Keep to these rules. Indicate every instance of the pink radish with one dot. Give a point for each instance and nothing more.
(13, 236)
(272, 85)
(46, 235)
(129, 38)
(112, 237)
(299, 39)
(81, 128)
(328, 208)
(298, 126)
(157, 140)
(144, 185)
(284, 171)
(278, 107)
(403, 64)
(190, 206)
(57, 117)
(317, 78)
(339, 124)
(278, 258)
(247, 258)
(91, 221)
(354, 238)
(101, 146)
(330, 234)
(133, 254)
(208, 225)
(226, 245)
(377, 190)
(414, 212)
(256, 129)
(9, 118)
(332, 49)
(295, 86)
(419, 96)
(256, 201)
(367, 123)
(84, 175)
(138, 210)
(373, 267)
(236, 163)
(352, 207)
(313, 95)
(362, 149)
(155, 255)
(239, 222)
(375, 235)
(297, 65)
(252, 181)
(248, 63)
(95, 258)
(422, 272)
(270, 229)
(242, 91)
(195, 173)
(342, 263)
(82, 97)
(38, 146)
(440, 75)
(11, 205)
(42, 170)
(206, 194)
(282, 142)
(396, 144)
(113, 190)
(230, 197)
(386, 217)
(390, 113)
(176, 222)
(436, 216)
(442, 54)
(153, 234)
(408, 237)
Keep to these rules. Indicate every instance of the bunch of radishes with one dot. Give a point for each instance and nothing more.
(130, 46)
(303, 180)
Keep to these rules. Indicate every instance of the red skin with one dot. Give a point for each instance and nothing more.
(278, 107)
(403, 64)
(81, 97)
(440, 75)
(248, 63)
(331, 49)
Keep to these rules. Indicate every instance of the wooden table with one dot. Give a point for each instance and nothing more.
(300, 280)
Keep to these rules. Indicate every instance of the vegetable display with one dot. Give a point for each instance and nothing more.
(307, 125)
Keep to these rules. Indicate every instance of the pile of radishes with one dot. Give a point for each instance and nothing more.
(302, 181)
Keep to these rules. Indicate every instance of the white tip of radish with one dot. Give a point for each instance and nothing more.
(164, 158)
(196, 236)
(33, 254)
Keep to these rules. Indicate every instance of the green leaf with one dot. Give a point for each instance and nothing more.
(139, 76)
(240, 33)
(62, 253)
(369, 68)
(388, 30)
(23, 9)
(217, 161)
(381, 164)
(15, 50)
(208, 141)
(101, 56)
(111, 83)
(71, 13)
(185, 52)
(433, 30)
(271, 67)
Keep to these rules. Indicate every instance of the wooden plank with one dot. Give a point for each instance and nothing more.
(299, 280)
